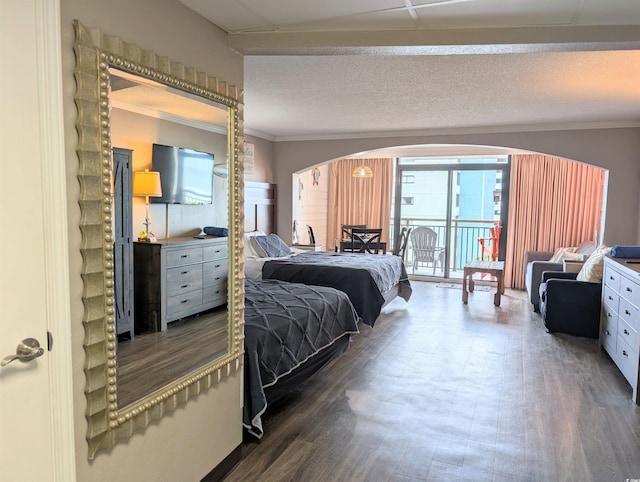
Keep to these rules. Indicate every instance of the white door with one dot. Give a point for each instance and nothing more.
(29, 403)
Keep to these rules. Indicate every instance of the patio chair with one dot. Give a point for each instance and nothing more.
(424, 242)
(490, 247)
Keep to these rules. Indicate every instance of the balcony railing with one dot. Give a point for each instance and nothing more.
(464, 244)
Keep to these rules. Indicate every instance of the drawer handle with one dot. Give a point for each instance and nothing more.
(629, 290)
(184, 286)
(624, 352)
(184, 301)
(608, 333)
(217, 278)
(184, 256)
(626, 312)
(611, 277)
(217, 265)
(626, 332)
(184, 272)
(611, 298)
(609, 314)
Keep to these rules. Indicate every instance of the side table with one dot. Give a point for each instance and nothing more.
(494, 268)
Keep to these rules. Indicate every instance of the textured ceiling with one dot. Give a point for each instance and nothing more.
(344, 68)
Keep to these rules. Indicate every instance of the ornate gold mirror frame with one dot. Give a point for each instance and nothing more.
(95, 53)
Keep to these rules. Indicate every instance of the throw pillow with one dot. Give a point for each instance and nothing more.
(250, 248)
(272, 245)
(594, 265)
(559, 253)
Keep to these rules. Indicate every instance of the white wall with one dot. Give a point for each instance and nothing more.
(138, 133)
(617, 150)
(310, 204)
(263, 161)
(192, 440)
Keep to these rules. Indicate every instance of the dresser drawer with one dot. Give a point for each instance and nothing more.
(630, 290)
(627, 361)
(183, 279)
(214, 272)
(216, 252)
(185, 302)
(215, 293)
(179, 257)
(629, 313)
(611, 278)
(629, 334)
(608, 336)
(609, 318)
(611, 298)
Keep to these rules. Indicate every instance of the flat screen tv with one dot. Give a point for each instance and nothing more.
(186, 175)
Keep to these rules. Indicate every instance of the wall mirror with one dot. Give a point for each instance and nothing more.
(115, 80)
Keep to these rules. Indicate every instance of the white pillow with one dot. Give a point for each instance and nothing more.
(594, 265)
(248, 246)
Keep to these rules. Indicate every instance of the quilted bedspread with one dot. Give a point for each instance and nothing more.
(285, 325)
(364, 277)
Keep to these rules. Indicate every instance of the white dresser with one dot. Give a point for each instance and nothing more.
(620, 322)
(178, 277)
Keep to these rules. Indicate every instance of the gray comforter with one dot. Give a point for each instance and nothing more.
(366, 278)
(285, 325)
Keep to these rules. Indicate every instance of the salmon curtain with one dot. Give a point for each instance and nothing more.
(553, 203)
(355, 200)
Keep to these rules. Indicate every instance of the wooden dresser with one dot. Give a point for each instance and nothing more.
(620, 322)
(178, 277)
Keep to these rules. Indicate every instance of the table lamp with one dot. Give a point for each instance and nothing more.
(146, 183)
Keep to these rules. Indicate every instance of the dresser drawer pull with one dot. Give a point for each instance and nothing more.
(184, 301)
(611, 278)
(608, 333)
(624, 352)
(625, 331)
(217, 278)
(611, 297)
(609, 315)
(626, 312)
(184, 286)
(184, 255)
(629, 290)
(184, 272)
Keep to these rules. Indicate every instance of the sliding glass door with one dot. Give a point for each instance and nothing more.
(453, 207)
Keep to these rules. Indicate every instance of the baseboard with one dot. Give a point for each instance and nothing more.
(221, 470)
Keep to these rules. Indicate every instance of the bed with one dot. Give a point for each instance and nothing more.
(371, 281)
(291, 331)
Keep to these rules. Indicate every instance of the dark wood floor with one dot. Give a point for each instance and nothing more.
(442, 391)
(150, 361)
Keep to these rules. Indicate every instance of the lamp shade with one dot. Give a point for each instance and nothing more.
(147, 183)
(362, 171)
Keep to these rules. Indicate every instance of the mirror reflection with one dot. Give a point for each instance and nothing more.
(170, 215)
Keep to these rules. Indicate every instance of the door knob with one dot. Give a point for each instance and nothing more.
(27, 350)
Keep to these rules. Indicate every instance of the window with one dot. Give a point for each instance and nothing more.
(407, 201)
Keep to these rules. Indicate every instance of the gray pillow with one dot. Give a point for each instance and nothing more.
(272, 245)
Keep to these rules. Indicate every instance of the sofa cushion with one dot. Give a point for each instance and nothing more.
(594, 265)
